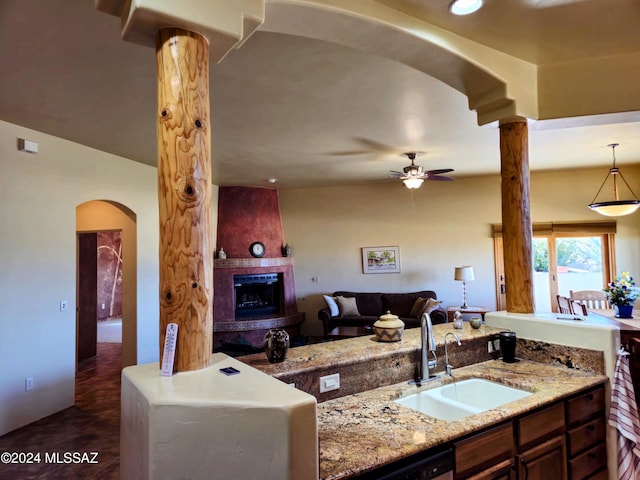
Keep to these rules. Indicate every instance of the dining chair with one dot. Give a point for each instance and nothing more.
(564, 304)
(577, 307)
(593, 299)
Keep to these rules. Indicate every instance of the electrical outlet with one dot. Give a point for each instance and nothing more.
(63, 305)
(329, 383)
(28, 384)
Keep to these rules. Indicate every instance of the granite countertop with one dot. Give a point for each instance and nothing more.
(360, 349)
(366, 430)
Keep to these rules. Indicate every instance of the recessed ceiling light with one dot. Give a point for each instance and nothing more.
(272, 180)
(465, 7)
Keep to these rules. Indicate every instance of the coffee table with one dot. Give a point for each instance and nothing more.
(349, 332)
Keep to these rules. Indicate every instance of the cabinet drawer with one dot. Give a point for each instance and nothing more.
(585, 405)
(586, 435)
(588, 462)
(502, 471)
(540, 424)
(477, 451)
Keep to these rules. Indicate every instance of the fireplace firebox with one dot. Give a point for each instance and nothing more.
(257, 295)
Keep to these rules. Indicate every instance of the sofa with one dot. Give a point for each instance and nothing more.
(369, 306)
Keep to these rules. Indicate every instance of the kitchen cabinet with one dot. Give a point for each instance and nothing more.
(502, 471)
(484, 450)
(546, 461)
(586, 433)
(563, 441)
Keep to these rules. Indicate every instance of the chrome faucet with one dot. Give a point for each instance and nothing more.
(427, 344)
(446, 352)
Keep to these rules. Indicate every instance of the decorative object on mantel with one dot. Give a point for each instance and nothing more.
(458, 320)
(622, 294)
(276, 344)
(222, 254)
(464, 274)
(257, 249)
(286, 250)
(389, 328)
(617, 207)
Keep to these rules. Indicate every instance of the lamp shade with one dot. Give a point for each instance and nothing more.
(464, 273)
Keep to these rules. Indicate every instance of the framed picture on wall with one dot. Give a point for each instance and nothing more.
(381, 260)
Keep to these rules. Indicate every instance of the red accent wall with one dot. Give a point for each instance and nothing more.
(247, 215)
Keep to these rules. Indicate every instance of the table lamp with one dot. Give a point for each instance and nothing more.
(464, 274)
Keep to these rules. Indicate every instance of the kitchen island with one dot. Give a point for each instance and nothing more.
(364, 431)
(360, 426)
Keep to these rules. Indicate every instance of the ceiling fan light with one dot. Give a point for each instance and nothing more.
(412, 182)
(618, 208)
(465, 7)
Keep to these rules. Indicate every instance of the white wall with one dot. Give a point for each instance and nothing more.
(450, 224)
(39, 195)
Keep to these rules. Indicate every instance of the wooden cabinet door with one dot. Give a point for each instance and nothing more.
(544, 462)
(502, 471)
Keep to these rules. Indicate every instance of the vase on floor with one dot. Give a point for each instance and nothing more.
(623, 311)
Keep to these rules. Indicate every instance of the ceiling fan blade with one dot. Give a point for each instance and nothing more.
(393, 174)
(439, 177)
(437, 172)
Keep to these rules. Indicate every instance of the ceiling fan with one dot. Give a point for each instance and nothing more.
(413, 175)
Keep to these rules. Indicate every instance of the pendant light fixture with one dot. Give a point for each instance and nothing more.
(617, 207)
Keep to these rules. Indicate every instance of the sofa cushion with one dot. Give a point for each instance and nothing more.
(429, 306)
(418, 306)
(333, 306)
(347, 307)
(369, 304)
(399, 303)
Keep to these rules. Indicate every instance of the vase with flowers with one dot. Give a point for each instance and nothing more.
(622, 294)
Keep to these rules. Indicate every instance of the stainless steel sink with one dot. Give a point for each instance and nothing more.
(460, 399)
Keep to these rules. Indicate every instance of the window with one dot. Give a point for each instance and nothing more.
(566, 256)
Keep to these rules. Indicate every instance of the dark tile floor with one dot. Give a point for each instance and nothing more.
(92, 425)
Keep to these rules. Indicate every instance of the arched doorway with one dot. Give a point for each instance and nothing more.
(104, 215)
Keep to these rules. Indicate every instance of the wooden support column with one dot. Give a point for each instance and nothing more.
(184, 194)
(516, 216)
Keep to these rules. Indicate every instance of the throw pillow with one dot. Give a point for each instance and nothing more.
(429, 306)
(348, 306)
(418, 306)
(333, 306)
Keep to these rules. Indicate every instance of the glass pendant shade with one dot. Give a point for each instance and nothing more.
(617, 207)
(465, 7)
(413, 182)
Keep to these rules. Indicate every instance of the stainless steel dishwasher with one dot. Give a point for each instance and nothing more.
(433, 466)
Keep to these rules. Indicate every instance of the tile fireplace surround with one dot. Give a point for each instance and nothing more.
(226, 327)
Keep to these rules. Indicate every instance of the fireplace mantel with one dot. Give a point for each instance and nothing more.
(252, 262)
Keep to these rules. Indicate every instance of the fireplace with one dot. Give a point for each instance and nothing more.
(257, 295)
(251, 294)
